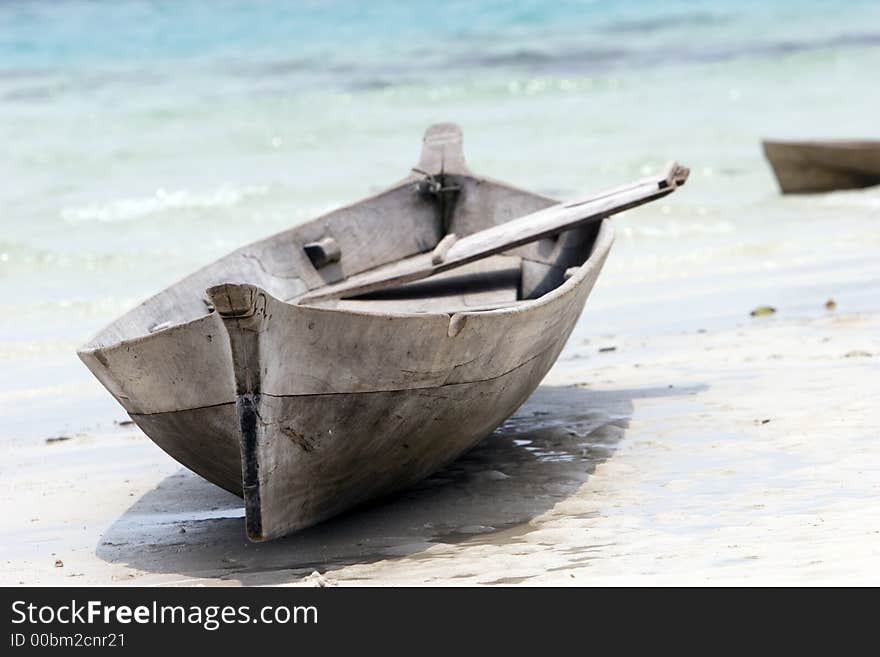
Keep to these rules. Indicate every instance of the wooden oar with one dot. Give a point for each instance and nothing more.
(452, 252)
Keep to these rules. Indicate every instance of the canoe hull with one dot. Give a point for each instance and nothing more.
(317, 454)
(811, 167)
(307, 410)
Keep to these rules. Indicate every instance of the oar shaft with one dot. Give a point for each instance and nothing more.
(452, 252)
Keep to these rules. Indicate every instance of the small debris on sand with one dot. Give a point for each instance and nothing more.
(317, 579)
(606, 349)
(123, 423)
(59, 563)
(858, 353)
(762, 311)
(475, 529)
(58, 439)
(831, 304)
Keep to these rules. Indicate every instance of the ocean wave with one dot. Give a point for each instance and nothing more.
(33, 93)
(598, 58)
(51, 85)
(272, 68)
(785, 47)
(650, 25)
(540, 59)
(162, 201)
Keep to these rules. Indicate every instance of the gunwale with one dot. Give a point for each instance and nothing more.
(96, 343)
(599, 251)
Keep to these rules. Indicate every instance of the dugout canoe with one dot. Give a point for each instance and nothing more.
(803, 167)
(356, 354)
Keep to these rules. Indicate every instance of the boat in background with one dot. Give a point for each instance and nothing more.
(804, 167)
(360, 352)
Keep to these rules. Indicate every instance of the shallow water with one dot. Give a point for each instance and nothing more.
(145, 139)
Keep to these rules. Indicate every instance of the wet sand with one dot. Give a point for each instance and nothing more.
(746, 452)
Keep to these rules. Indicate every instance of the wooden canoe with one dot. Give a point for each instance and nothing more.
(804, 167)
(309, 405)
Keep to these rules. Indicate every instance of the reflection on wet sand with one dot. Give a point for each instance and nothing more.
(539, 457)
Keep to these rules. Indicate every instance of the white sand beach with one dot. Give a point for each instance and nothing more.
(744, 453)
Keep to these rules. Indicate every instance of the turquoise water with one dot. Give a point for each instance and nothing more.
(142, 140)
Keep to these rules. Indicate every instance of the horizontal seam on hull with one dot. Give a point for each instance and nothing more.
(442, 385)
(362, 392)
(183, 410)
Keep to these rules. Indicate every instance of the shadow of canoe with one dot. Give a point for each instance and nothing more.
(539, 457)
